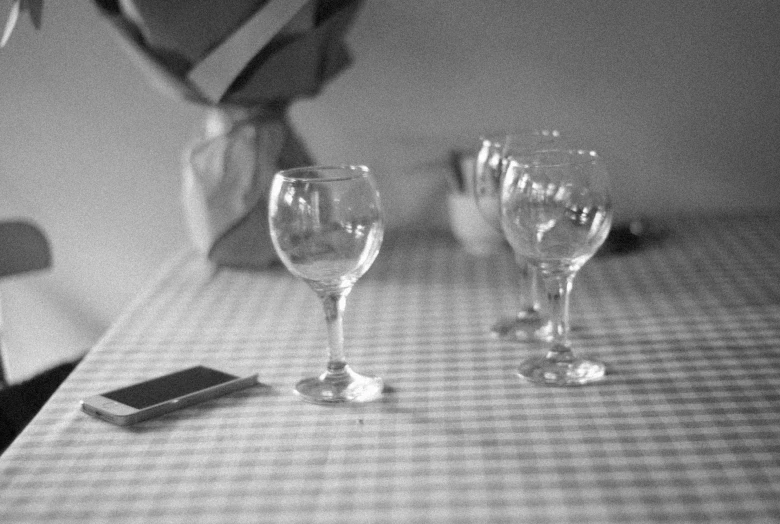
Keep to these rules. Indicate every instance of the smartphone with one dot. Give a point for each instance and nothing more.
(151, 398)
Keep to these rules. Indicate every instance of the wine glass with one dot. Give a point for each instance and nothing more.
(327, 226)
(556, 212)
(529, 323)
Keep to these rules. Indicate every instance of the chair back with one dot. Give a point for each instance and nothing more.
(23, 248)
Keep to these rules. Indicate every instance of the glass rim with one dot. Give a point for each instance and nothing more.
(574, 157)
(349, 172)
(500, 138)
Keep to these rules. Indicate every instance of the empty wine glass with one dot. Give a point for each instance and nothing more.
(556, 212)
(529, 323)
(327, 225)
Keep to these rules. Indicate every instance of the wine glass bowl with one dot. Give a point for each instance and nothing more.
(327, 227)
(556, 212)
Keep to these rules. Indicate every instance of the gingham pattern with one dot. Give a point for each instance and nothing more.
(686, 427)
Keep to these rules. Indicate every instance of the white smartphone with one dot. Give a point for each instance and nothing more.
(151, 398)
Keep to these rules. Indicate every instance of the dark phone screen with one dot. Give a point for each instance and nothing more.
(157, 390)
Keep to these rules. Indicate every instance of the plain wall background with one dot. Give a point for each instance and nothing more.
(681, 97)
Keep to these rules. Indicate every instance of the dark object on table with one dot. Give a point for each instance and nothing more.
(20, 403)
(630, 236)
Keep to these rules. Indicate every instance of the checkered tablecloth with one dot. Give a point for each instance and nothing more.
(685, 428)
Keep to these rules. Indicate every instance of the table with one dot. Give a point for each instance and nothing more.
(685, 428)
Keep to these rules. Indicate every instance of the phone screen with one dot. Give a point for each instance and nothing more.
(157, 390)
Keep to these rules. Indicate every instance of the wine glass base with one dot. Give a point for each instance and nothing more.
(550, 371)
(526, 325)
(340, 387)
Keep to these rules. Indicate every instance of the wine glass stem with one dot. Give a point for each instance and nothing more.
(558, 288)
(529, 286)
(334, 304)
(533, 288)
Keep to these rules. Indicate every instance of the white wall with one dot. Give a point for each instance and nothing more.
(90, 153)
(680, 96)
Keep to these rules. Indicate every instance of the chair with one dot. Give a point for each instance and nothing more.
(23, 248)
